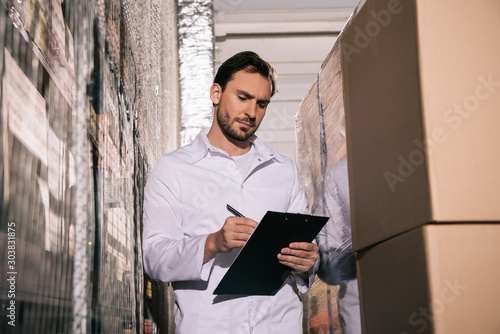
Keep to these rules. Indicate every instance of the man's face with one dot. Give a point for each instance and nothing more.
(242, 106)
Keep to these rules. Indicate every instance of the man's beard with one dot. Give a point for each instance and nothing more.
(226, 125)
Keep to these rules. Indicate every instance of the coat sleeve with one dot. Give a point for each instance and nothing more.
(168, 254)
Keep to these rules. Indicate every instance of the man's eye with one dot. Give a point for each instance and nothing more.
(242, 98)
(262, 105)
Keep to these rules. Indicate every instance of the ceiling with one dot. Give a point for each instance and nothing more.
(282, 4)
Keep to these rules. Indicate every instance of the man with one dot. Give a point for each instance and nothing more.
(189, 237)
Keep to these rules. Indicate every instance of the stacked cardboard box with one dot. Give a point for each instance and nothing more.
(434, 279)
(422, 101)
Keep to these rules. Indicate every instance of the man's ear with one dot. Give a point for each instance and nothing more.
(215, 93)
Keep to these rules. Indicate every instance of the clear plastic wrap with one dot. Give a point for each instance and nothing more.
(322, 163)
(89, 101)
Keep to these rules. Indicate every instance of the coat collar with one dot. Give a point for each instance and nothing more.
(201, 147)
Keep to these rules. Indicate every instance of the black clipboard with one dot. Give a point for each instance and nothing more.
(256, 270)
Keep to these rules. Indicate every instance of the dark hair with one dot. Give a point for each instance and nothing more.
(248, 61)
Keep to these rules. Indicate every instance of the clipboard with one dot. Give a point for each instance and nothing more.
(256, 270)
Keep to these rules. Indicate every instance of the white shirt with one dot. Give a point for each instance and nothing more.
(185, 200)
(244, 161)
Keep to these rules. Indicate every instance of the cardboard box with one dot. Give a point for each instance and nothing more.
(439, 279)
(422, 100)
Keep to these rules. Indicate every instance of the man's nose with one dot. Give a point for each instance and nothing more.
(251, 110)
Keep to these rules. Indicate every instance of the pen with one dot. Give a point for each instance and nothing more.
(233, 211)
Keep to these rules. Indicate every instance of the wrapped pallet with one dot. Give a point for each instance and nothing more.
(322, 163)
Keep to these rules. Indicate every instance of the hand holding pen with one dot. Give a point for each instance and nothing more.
(233, 234)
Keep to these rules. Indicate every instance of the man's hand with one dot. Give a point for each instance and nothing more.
(233, 234)
(300, 256)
